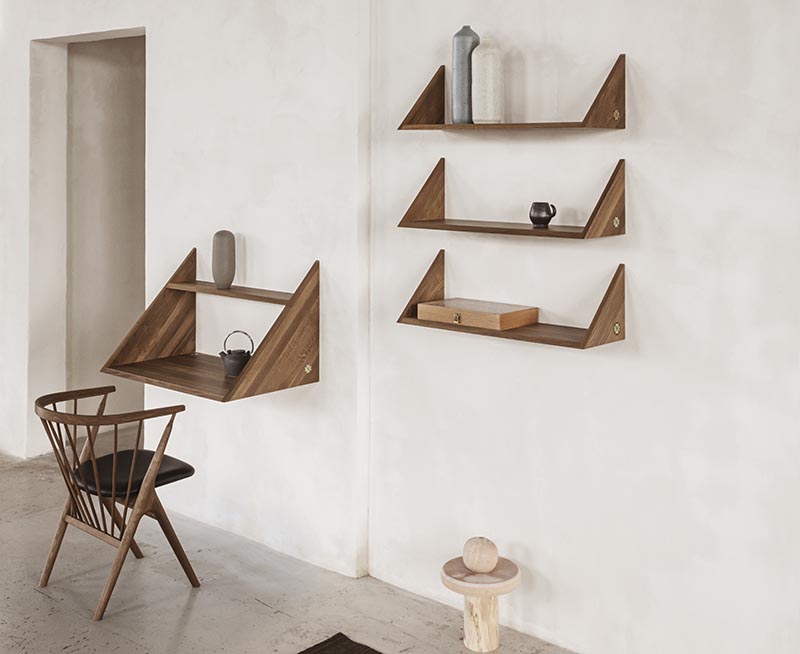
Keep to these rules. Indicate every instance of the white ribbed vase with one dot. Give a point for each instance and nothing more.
(488, 93)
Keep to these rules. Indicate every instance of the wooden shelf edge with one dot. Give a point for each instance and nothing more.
(491, 227)
(179, 383)
(542, 333)
(471, 127)
(427, 211)
(237, 292)
(608, 324)
(607, 110)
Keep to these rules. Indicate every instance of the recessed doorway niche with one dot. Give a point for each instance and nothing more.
(87, 204)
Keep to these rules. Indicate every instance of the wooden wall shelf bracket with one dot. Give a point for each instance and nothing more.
(607, 326)
(606, 112)
(160, 347)
(427, 211)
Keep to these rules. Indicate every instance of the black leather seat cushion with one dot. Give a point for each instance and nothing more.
(171, 470)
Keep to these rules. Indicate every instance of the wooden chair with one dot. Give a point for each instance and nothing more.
(95, 485)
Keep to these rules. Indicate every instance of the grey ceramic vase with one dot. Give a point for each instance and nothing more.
(223, 260)
(464, 42)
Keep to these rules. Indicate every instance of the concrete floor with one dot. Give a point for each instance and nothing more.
(252, 598)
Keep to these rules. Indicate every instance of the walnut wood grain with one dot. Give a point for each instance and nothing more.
(159, 350)
(167, 327)
(289, 354)
(429, 204)
(430, 288)
(609, 318)
(606, 219)
(88, 529)
(196, 373)
(607, 111)
(239, 292)
(429, 107)
(608, 324)
(543, 333)
(470, 127)
(497, 227)
(87, 504)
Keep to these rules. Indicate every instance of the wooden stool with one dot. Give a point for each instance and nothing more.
(480, 576)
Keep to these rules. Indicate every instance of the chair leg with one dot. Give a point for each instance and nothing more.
(117, 518)
(122, 552)
(55, 547)
(161, 516)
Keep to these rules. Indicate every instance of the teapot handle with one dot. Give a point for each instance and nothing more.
(553, 207)
(238, 331)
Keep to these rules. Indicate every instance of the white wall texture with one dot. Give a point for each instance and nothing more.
(238, 137)
(105, 209)
(646, 488)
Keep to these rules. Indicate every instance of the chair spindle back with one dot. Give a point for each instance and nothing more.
(88, 505)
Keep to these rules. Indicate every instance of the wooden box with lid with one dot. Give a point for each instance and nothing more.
(477, 313)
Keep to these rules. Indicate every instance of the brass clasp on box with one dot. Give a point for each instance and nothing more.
(617, 328)
(457, 318)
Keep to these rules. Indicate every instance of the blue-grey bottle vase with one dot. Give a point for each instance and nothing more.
(464, 42)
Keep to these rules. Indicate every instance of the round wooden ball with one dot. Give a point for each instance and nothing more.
(480, 554)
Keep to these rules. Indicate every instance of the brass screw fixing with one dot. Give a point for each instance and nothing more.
(308, 368)
(615, 222)
(617, 328)
(457, 318)
(616, 114)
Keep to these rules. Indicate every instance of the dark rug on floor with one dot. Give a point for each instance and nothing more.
(339, 644)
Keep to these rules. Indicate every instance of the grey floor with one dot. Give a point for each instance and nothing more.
(252, 598)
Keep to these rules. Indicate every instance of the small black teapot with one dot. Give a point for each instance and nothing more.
(542, 213)
(234, 361)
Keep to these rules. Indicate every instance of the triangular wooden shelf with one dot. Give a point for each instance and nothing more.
(160, 348)
(607, 219)
(606, 112)
(607, 326)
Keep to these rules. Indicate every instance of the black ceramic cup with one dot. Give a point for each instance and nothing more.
(542, 213)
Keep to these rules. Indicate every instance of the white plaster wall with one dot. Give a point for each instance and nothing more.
(257, 121)
(43, 363)
(648, 489)
(105, 209)
(14, 135)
